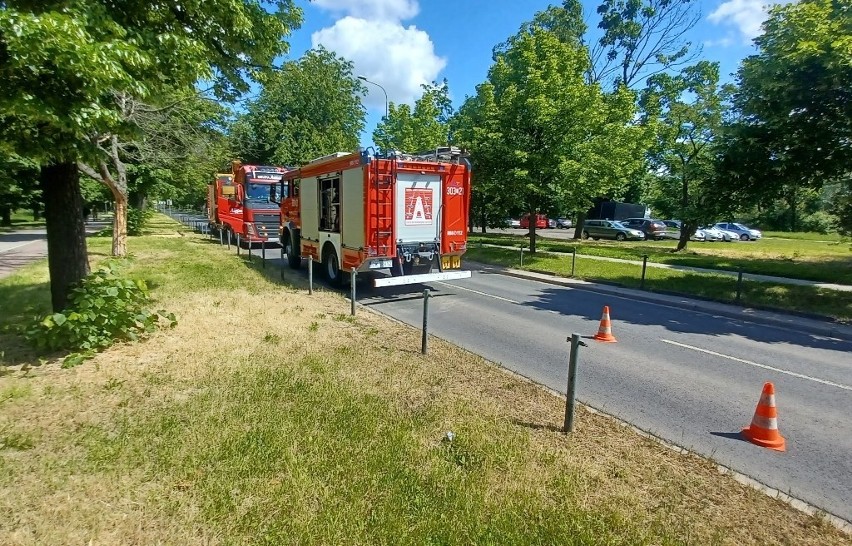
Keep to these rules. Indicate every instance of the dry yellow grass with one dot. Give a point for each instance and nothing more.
(75, 476)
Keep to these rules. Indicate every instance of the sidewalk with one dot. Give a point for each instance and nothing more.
(690, 269)
(771, 318)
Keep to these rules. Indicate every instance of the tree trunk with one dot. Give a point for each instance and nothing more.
(483, 221)
(686, 231)
(119, 225)
(36, 212)
(578, 229)
(6, 216)
(67, 258)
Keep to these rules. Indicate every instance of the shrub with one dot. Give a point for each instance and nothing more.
(137, 219)
(105, 308)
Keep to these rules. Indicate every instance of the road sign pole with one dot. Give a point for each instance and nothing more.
(424, 341)
(570, 396)
(310, 275)
(352, 277)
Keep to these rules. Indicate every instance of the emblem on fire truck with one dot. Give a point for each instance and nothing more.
(418, 207)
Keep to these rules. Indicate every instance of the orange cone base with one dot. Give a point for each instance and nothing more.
(606, 338)
(779, 444)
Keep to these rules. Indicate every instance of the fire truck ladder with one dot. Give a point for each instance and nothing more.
(383, 212)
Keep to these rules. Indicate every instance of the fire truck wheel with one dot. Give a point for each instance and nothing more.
(293, 258)
(332, 267)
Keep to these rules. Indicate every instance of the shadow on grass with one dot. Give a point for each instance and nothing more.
(19, 304)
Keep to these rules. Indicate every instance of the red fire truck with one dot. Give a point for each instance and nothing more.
(405, 213)
(239, 203)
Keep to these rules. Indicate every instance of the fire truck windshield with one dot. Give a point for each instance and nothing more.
(258, 191)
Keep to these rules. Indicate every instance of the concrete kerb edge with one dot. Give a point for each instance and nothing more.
(828, 330)
(799, 504)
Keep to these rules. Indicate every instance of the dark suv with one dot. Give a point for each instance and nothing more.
(653, 229)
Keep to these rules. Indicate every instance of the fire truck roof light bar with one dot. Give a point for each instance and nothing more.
(417, 279)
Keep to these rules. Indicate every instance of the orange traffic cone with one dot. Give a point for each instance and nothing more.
(605, 329)
(763, 430)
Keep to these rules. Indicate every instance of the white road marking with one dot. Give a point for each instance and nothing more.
(764, 366)
(478, 292)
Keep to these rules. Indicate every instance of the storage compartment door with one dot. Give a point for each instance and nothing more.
(417, 207)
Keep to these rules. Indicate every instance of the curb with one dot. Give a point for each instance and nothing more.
(778, 320)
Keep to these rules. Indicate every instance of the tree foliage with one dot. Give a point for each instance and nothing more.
(424, 127)
(310, 108)
(641, 38)
(556, 140)
(65, 64)
(686, 110)
(794, 105)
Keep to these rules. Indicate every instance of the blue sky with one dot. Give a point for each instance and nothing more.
(403, 43)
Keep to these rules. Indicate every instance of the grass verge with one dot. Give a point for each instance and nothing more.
(268, 416)
(723, 288)
(797, 259)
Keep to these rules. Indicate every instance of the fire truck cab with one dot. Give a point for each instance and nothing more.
(239, 203)
(403, 213)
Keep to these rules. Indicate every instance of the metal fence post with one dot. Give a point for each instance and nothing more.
(424, 342)
(310, 275)
(238, 244)
(573, 260)
(229, 239)
(352, 278)
(644, 267)
(522, 256)
(263, 253)
(739, 285)
(571, 394)
(221, 238)
(249, 247)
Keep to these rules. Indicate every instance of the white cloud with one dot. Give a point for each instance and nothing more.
(745, 15)
(385, 10)
(372, 36)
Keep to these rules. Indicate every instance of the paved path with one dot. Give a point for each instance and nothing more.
(747, 276)
(19, 248)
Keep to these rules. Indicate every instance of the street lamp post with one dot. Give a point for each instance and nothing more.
(383, 91)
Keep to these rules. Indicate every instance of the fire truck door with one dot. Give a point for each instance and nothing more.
(417, 207)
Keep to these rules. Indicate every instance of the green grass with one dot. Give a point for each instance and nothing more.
(22, 220)
(805, 236)
(268, 416)
(797, 259)
(829, 303)
(293, 457)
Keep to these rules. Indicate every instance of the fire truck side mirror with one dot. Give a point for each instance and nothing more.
(273, 196)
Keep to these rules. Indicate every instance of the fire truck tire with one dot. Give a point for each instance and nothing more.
(331, 267)
(294, 260)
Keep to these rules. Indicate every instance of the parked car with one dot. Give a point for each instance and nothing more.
(745, 233)
(721, 234)
(610, 229)
(564, 223)
(540, 222)
(672, 229)
(512, 223)
(705, 235)
(653, 229)
(551, 223)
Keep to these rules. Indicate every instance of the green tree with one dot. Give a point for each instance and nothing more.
(641, 38)
(415, 130)
(310, 108)
(65, 67)
(794, 105)
(475, 129)
(558, 140)
(687, 111)
(18, 187)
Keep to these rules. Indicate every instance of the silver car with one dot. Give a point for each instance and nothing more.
(744, 233)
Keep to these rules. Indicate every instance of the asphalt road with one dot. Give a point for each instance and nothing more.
(685, 376)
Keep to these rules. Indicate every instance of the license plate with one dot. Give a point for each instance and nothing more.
(450, 262)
